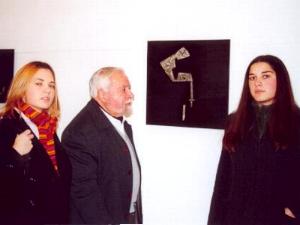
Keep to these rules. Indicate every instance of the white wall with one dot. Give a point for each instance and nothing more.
(78, 36)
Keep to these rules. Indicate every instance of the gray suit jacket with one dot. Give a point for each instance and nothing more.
(102, 171)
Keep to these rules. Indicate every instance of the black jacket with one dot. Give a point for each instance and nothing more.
(102, 171)
(256, 182)
(31, 192)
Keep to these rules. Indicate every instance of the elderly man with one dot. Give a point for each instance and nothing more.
(106, 177)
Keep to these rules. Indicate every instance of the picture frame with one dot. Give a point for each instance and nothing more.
(187, 83)
(6, 71)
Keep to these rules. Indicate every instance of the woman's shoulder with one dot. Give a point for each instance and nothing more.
(230, 117)
(297, 111)
(9, 120)
(9, 115)
(296, 117)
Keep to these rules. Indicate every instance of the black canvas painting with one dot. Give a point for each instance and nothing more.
(6, 71)
(187, 83)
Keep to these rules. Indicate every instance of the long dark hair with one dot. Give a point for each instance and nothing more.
(283, 109)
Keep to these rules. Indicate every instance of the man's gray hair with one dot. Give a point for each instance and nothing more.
(100, 80)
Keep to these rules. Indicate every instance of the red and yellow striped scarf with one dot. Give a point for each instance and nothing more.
(46, 126)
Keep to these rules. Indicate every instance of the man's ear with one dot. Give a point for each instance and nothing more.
(102, 95)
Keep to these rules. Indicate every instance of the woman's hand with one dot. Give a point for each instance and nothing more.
(23, 144)
(289, 213)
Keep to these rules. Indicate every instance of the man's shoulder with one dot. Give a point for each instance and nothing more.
(82, 117)
(88, 116)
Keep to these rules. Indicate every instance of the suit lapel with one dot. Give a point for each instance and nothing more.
(104, 125)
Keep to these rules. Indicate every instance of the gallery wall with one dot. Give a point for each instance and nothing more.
(79, 36)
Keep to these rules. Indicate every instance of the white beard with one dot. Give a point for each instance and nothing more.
(128, 111)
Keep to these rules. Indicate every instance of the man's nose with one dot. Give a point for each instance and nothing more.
(130, 95)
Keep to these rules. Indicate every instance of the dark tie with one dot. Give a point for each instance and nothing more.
(128, 131)
(120, 118)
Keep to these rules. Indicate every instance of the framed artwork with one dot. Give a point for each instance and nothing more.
(187, 83)
(6, 71)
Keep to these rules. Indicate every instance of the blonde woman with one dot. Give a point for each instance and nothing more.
(34, 170)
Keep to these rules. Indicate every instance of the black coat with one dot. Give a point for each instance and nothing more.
(102, 171)
(31, 192)
(255, 183)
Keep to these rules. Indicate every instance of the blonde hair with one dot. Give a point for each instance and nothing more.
(20, 85)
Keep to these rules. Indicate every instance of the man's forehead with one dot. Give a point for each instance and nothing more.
(119, 78)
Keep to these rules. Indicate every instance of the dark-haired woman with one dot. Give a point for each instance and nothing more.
(34, 169)
(258, 180)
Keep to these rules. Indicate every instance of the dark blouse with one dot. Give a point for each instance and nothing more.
(255, 183)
